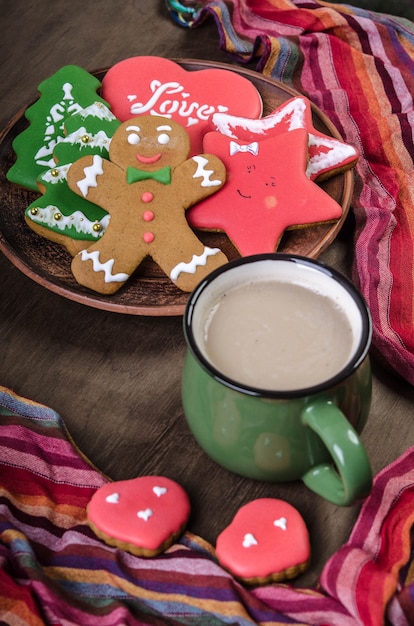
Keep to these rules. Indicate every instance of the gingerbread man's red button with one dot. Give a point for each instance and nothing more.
(147, 196)
(148, 237)
(148, 216)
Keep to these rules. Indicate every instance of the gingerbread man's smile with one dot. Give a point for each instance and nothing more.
(148, 160)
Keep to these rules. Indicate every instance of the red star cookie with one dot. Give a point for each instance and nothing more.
(327, 155)
(267, 191)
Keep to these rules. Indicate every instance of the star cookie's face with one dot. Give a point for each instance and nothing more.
(249, 189)
(149, 143)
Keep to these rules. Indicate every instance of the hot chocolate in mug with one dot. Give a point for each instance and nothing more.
(276, 383)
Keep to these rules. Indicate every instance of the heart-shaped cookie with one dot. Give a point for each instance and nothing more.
(147, 85)
(143, 515)
(267, 541)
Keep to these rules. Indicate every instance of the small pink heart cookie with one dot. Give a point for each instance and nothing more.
(266, 542)
(143, 515)
(150, 85)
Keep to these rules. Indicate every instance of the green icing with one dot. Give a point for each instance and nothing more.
(63, 94)
(64, 212)
(88, 132)
(59, 209)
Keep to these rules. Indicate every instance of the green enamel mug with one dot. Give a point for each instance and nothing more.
(276, 383)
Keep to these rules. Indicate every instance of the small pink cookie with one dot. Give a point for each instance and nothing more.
(150, 85)
(143, 516)
(327, 155)
(267, 191)
(267, 541)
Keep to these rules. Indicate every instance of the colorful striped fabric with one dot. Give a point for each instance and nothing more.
(358, 67)
(55, 571)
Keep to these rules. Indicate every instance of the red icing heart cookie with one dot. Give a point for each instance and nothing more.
(267, 541)
(147, 85)
(327, 155)
(143, 516)
(267, 191)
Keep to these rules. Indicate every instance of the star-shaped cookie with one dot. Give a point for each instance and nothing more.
(327, 155)
(267, 191)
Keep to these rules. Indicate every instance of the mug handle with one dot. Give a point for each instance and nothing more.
(351, 478)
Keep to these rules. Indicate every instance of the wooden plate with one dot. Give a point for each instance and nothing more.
(148, 291)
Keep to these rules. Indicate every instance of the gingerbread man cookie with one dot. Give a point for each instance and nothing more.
(146, 186)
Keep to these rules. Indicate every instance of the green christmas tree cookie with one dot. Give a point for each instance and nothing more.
(65, 93)
(59, 214)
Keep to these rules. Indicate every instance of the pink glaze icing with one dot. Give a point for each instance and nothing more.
(266, 536)
(144, 511)
(327, 155)
(266, 192)
(150, 85)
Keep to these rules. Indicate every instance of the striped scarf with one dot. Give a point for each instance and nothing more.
(55, 571)
(358, 68)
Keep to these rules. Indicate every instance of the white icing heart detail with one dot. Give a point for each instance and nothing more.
(192, 121)
(113, 498)
(281, 523)
(145, 515)
(131, 98)
(159, 491)
(222, 109)
(249, 540)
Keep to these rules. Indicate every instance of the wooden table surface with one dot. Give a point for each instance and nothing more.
(115, 378)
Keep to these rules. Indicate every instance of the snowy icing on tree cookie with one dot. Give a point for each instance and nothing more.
(65, 93)
(59, 214)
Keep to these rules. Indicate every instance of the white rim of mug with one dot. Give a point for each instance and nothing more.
(359, 355)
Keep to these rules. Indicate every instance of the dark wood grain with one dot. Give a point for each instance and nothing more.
(115, 378)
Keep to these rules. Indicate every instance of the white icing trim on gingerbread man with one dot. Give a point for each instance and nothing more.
(91, 174)
(195, 262)
(202, 172)
(121, 277)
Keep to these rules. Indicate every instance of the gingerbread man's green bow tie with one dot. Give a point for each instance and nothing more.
(162, 175)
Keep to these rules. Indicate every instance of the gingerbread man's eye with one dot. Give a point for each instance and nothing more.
(163, 139)
(133, 139)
